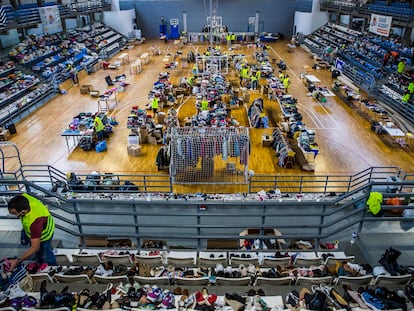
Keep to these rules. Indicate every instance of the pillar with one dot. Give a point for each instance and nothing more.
(185, 22)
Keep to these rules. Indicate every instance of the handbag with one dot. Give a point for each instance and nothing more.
(24, 239)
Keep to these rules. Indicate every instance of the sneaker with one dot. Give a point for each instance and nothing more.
(391, 299)
(168, 300)
(409, 292)
(3, 298)
(385, 293)
(338, 297)
(292, 299)
(16, 303)
(316, 301)
(357, 298)
(372, 302)
(14, 291)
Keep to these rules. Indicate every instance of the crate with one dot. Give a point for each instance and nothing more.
(94, 93)
(95, 241)
(4, 135)
(267, 141)
(85, 89)
(222, 244)
(134, 150)
(151, 140)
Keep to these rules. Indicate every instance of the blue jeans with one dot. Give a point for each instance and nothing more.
(100, 135)
(45, 253)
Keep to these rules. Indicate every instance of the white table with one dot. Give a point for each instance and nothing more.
(392, 130)
(312, 79)
(320, 93)
(397, 135)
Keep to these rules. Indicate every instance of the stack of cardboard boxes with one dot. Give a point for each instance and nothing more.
(134, 149)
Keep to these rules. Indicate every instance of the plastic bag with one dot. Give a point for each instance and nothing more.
(101, 146)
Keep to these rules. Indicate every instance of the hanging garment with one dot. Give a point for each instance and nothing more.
(224, 151)
(374, 202)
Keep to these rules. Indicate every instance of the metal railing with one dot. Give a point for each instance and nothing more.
(47, 176)
(322, 183)
(194, 224)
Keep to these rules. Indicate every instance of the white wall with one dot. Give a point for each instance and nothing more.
(35, 31)
(11, 39)
(306, 23)
(121, 21)
(344, 19)
(71, 23)
(309, 22)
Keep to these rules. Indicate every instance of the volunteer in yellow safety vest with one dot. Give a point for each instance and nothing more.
(204, 104)
(286, 83)
(99, 127)
(154, 104)
(38, 226)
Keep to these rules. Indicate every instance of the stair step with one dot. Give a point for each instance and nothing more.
(374, 245)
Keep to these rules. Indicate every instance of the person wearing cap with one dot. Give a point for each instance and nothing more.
(38, 225)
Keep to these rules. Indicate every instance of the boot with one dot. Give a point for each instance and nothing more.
(386, 255)
(394, 254)
(387, 265)
(45, 298)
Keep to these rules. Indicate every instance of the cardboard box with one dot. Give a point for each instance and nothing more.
(134, 150)
(94, 93)
(4, 135)
(95, 241)
(161, 117)
(143, 134)
(267, 141)
(247, 98)
(222, 244)
(151, 140)
(226, 98)
(85, 89)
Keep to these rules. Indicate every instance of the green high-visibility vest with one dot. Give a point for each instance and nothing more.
(37, 210)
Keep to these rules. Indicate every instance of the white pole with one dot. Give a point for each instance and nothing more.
(256, 23)
(211, 23)
(185, 21)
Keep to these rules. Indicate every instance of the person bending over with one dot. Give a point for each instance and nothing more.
(38, 225)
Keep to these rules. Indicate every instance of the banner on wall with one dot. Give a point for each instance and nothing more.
(50, 18)
(380, 24)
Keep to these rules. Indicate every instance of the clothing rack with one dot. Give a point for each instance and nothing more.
(284, 152)
(203, 154)
(257, 118)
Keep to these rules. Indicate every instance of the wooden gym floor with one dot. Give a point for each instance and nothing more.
(347, 145)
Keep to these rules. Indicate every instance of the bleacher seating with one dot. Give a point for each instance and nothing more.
(363, 58)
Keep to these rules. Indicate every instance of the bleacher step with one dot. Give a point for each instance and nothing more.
(374, 244)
